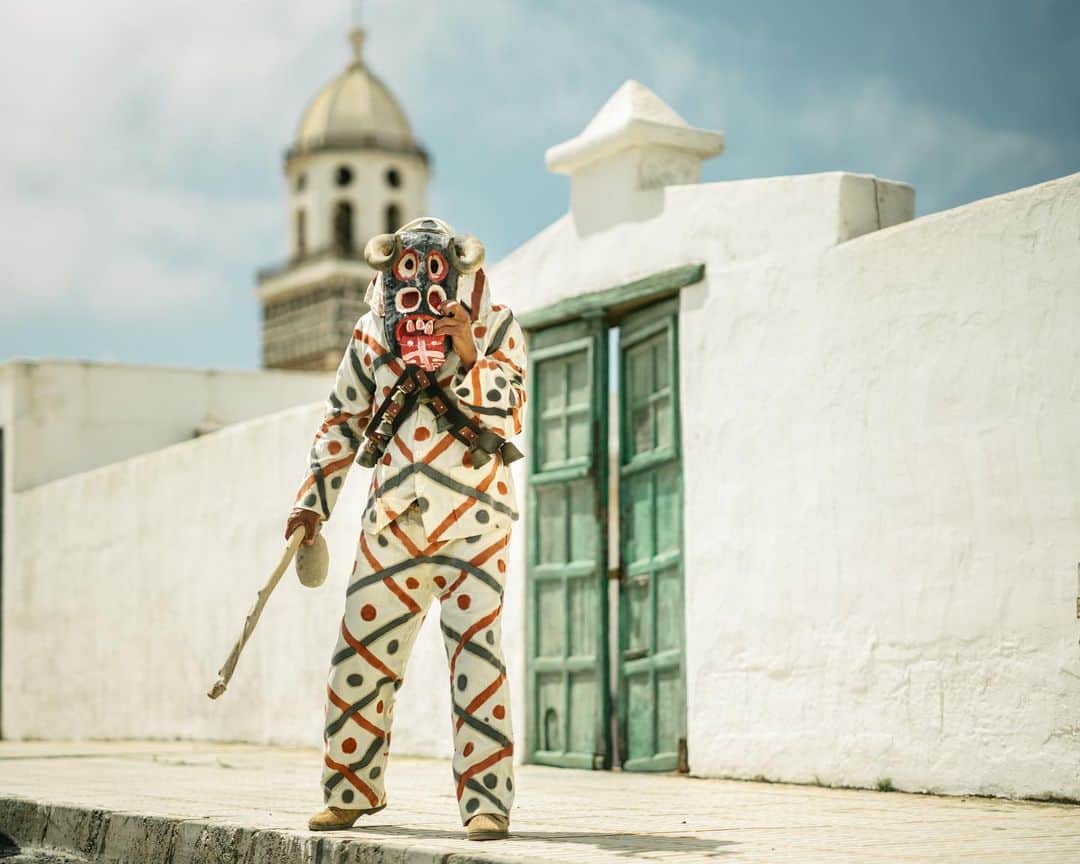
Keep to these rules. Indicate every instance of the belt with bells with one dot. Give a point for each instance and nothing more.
(413, 386)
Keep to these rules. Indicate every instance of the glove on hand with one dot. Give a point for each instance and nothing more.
(309, 519)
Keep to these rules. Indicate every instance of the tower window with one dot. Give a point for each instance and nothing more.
(393, 178)
(344, 175)
(343, 228)
(301, 182)
(393, 218)
(301, 233)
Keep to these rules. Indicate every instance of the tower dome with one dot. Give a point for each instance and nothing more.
(355, 110)
(353, 170)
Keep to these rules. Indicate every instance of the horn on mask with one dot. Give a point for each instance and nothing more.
(381, 251)
(466, 254)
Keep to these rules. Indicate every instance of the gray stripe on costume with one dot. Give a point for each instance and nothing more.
(333, 727)
(442, 480)
(474, 648)
(472, 783)
(496, 340)
(480, 726)
(359, 766)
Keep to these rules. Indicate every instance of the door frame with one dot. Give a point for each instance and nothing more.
(601, 309)
(663, 318)
(593, 340)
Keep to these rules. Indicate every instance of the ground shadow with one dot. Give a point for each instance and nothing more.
(623, 842)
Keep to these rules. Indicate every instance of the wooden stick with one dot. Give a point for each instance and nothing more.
(226, 671)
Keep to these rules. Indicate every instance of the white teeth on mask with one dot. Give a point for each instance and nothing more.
(409, 326)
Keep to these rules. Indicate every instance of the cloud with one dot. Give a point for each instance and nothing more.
(141, 176)
(872, 122)
(131, 186)
(145, 172)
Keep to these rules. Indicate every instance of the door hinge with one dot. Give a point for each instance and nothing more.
(682, 759)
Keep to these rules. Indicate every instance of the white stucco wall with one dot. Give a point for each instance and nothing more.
(131, 582)
(882, 526)
(881, 521)
(883, 580)
(71, 416)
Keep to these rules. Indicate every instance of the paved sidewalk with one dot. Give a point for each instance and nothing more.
(192, 802)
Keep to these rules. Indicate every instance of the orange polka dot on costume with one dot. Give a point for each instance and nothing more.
(440, 581)
(367, 359)
(412, 582)
(502, 487)
(349, 745)
(479, 330)
(510, 342)
(368, 612)
(387, 459)
(499, 711)
(385, 391)
(468, 749)
(422, 433)
(464, 601)
(466, 460)
(501, 565)
(379, 707)
(334, 448)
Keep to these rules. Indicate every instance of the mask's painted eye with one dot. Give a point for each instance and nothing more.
(407, 265)
(436, 297)
(436, 265)
(407, 300)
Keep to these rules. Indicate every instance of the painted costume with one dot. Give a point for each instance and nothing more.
(438, 515)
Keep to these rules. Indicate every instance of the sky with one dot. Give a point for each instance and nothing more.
(141, 176)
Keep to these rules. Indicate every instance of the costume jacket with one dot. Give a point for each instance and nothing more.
(434, 469)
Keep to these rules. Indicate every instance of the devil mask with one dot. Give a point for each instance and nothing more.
(420, 266)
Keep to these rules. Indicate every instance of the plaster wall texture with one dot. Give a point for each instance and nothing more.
(65, 417)
(878, 476)
(130, 584)
(881, 527)
(889, 513)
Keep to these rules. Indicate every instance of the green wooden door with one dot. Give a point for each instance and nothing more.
(569, 704)
(651, 673)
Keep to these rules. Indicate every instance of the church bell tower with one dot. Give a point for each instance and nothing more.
(354, 170)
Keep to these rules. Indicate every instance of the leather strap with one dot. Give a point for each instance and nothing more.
(482, 442)
(413, 385)
(391, 414)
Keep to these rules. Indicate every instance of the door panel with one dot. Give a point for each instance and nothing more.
(652, 692)
(567, 548)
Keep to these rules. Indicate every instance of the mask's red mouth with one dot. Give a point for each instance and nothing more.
(418, 344)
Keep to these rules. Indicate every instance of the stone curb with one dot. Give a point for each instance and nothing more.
(116, 837)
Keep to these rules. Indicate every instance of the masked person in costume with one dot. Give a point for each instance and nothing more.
(428, 392)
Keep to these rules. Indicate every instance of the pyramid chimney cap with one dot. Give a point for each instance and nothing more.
(634, 117)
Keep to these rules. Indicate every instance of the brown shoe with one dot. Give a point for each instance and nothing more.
(337, 818)
(488, 826)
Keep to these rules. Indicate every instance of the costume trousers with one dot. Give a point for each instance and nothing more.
(397, 574)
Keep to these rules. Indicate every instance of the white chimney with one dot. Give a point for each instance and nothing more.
(634, 144)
